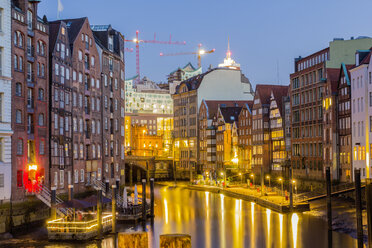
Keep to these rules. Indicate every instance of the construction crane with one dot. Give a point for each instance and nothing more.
(137, 41)
(200, 52)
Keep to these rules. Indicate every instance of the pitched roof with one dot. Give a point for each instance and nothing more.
(74, 26)
(53, 34)
(230, 114)
(278, 94)
(213, 105)
(345, 70)
(332, 78)
(264, 91)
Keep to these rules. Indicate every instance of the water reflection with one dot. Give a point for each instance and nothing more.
(214, 220)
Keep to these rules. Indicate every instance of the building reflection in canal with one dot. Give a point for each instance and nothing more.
(218, 221)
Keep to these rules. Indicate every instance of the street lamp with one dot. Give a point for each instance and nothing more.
(294, 182)
(281, 180)
(252, 176)
(241, 177)
(268, 178)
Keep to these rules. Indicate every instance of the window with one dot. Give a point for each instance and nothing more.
(15, 62)
(92, 61)
(1, 149)
(18, 116)
(42, 147)
(76, 176)
(41, 94)
(41, 119)
(80, 55)
(20, 147)
(82, 175)
(29, 19)
(75, 151)
(18, 89)
(81, 150)
(1, 175)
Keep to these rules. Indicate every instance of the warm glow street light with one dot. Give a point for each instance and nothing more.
(252, 176)
(268, 178)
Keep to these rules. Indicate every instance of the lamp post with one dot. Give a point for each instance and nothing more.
(294, 183)
(281, 181)
(241, 177)
(252, 176)
(268, 178)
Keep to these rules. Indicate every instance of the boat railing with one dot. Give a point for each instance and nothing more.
(63, 226)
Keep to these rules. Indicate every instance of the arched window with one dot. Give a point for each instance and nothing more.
(18, 89)
(81, 150)
(20, 40)
(93, 127)
(15, 38)
(41, 119)
(93, 151)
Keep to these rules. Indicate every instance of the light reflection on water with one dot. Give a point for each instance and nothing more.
(214, 220)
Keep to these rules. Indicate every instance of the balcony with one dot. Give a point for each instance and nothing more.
(30, 129)
(30, 77)
(30, 53)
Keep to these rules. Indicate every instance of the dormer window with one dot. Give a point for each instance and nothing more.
(111, 43)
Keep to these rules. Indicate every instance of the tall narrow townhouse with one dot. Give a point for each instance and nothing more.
(245, 136)
(5, 100)
(110, 45)
(261, 132)
(361, 112)
(277, 146)
(227, 137)
(60, 107)
(30, 94)
(207, 132)
(86, 92)
(344, 123)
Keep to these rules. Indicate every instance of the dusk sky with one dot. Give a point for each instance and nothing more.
(264, 35)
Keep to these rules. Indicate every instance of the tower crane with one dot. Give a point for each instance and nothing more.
(137, 41)
(200, 52)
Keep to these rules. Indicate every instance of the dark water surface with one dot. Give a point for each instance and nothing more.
(217, 221)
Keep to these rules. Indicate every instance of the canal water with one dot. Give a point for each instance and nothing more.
(217, 221)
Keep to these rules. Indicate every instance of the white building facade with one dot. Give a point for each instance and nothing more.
(5, 100)
(361, 109)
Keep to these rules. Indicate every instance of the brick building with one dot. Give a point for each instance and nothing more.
(227, 137)
(86, 105)
(344, 123)
(245, 136)
(110, 45)
(60, 106)
(30, 148)
(313, 109)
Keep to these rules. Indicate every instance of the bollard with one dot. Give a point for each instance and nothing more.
(369, 209)
(175, 240)
(144, 200)
(99, 212)
(358, 207)
(53, 203)
(70, 192)
(133, 240)
(329, 205)
(152, 196)
(113, 208)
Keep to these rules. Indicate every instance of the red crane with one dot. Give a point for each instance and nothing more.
(154, 41)
(200, 52)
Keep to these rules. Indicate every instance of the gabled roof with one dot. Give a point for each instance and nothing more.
(74, 26)
(213, 105)
(264, 91)
(230, 114)
(53, 34)
(332, 78)
(345, 70)
(278, 94)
